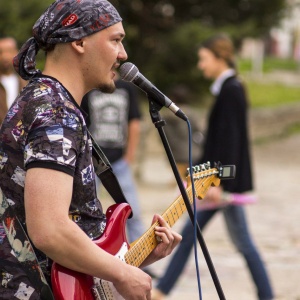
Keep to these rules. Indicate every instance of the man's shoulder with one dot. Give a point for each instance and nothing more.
(48, 89)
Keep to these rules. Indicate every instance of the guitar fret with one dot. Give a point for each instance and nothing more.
(134, 256)
(175, 214)
(140, 252)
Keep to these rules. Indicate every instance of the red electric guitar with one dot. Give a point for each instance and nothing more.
(71, 285)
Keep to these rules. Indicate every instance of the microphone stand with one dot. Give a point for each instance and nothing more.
(154, 109)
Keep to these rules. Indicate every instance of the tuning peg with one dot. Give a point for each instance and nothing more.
(199, 168)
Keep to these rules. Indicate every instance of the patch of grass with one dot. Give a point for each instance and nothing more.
(271, 94)
(293, 129)
(270, 64)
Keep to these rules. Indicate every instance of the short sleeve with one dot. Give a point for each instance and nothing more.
(55, 140)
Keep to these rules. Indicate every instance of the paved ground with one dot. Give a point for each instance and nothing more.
(274, 220)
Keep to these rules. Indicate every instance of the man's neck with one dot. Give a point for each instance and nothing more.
(63, 65)
(69, 81)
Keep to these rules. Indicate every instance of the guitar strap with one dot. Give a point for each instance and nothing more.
(105, 173)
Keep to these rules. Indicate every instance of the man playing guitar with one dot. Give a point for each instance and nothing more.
(46, 170)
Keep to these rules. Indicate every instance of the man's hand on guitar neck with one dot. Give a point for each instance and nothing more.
(168, 238)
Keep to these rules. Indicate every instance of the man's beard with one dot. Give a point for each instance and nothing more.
(107, 88)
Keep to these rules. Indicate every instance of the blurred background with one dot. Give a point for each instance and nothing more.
(161, 40)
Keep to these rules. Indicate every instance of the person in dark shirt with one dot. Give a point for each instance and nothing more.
(114, 122)
(226, 141)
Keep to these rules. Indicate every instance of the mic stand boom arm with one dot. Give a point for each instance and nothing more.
(154, 109)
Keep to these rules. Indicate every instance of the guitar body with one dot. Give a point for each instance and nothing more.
(72, 285)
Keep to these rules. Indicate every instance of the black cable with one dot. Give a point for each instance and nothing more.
(195, 212)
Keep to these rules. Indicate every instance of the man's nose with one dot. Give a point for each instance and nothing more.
(122, 53)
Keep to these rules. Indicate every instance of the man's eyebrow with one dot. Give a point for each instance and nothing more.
(120, 34)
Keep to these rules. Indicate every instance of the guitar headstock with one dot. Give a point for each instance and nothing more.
(208, 176)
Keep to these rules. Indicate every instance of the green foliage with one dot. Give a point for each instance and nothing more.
(167, 14)
(176, 61)
(162, 35)
(17, 17)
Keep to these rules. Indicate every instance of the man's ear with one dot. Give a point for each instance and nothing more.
(78, 45)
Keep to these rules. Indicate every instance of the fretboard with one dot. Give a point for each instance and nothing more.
(147, 242)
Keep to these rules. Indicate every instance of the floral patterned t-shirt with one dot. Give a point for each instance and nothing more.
(44, 128)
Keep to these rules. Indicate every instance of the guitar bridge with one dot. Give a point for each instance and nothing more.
(101, 291)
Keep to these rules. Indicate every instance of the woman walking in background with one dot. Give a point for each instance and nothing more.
(226, 141)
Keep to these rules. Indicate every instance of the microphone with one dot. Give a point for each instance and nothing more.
(129, 72)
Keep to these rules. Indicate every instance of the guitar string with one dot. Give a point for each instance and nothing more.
(150, 238)
(137, 254)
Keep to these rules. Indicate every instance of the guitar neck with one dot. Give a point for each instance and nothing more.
(147, 242)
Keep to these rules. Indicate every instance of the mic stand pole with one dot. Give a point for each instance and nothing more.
(154, 109)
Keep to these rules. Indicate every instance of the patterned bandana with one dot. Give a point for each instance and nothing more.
(64, 21)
